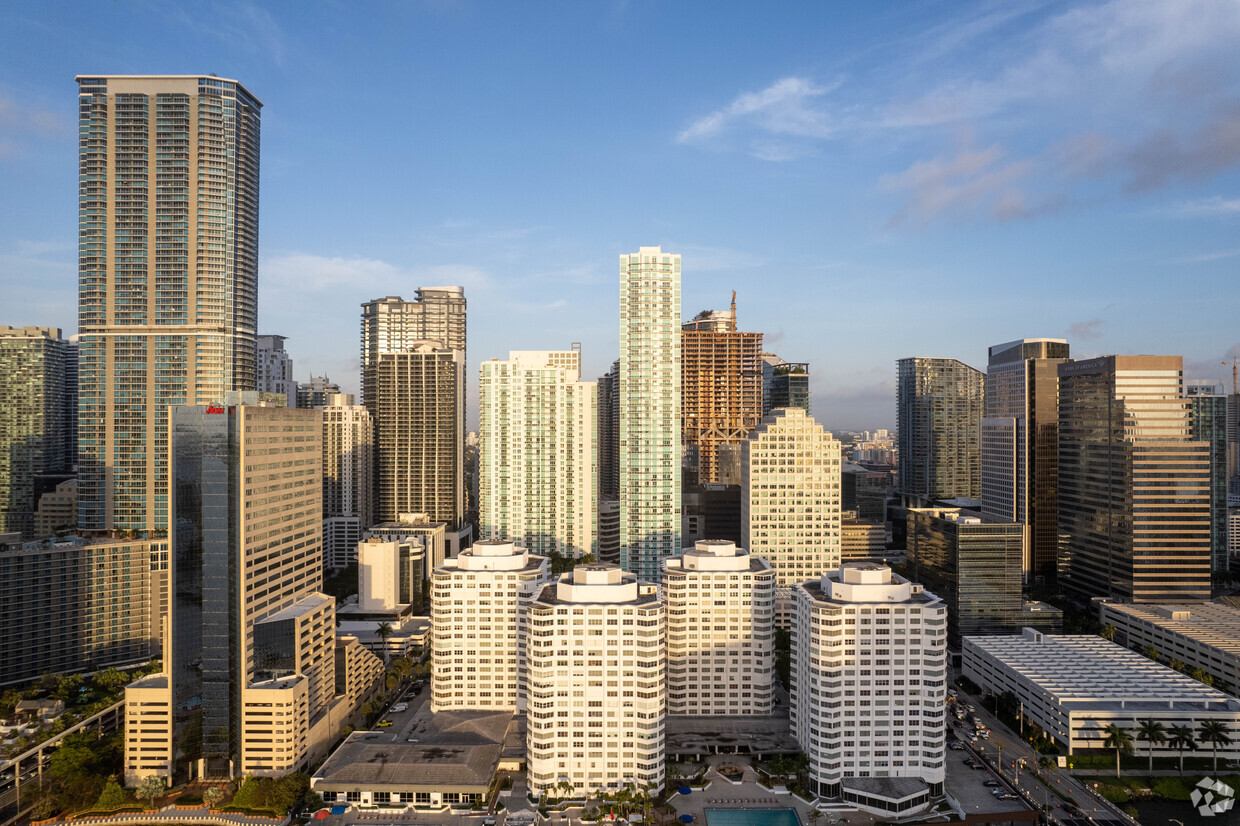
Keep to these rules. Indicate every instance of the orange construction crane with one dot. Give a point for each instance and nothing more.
(734, 310)
(1234, 390)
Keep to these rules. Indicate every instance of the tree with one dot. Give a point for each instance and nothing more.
(111, 680)
(112, 797)
(1118, 738)
(1181, 738)
(213, 795)
(1200, 675)
(1154, 733)
(287, 790)
(1215, 733)
(150, 788)
(1151, 652)
(383, 632)
(1108, 632)
(1175, 665)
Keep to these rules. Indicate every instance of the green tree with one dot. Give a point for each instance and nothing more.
(1200, 675)
(287, 790)
(383, 632)
(247, 793)
(1181, 738)
(1175, 665)
(1154, 733)
(111, 680)
(212, 795)
(1215, 733)
(1108, 632)
(1118, 738)
(1151, 652)
(783, 656)
(150, 789)
(112, 796)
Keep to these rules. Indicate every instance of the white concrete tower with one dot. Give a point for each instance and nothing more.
(720, 626)
(478, 604)
(597, 683)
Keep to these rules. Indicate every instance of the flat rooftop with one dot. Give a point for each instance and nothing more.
(1208, 623)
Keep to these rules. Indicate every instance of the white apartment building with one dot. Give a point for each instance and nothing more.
(1074, 686)
(720, 630)
(348, 477)
(790, 499)
(538, 452)
(869, 654)
(649, 460)
(597, 682)
(479, 600)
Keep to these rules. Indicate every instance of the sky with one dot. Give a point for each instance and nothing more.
(874, 180)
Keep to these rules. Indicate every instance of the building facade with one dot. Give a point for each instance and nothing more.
(479, 601)
(784, 384)
(869, 659)
(597, 683)
(538, 453)
(720, 631)
(790, 499)
(939, 418)
(1209, 412)
(316, 392)
(1020, 445)
(1203, 635)
(167, 276)
(32, 421)
(348, 477)
(275, 369)
(649, 462)
(1134, 488)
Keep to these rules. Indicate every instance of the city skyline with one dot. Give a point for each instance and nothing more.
(951, 156)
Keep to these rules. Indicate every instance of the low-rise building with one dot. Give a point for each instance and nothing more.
(1203, 635)
(1074, 686)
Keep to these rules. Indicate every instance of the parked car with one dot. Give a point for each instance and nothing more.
(992, 783)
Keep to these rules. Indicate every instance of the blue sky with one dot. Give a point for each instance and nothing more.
(874, 180)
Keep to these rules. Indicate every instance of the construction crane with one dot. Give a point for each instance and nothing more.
(1234, 390)
(734, 311)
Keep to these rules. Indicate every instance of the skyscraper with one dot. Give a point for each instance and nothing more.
(413, 384)
(167, 275)
(790, 500)
(539, 453)
(1020, 445)
(784, 384)
(316, 392)
(275, 369)
(348, 478)
(32, 421)
(721, 391)
(939, 416)
(1209, 411)
(649, 410)
(1134, 488)
(249, 682)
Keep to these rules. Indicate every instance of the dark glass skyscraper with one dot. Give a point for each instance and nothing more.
(939, 416)
(1209, 410)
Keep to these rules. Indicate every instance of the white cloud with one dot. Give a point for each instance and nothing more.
(1216, 205)
(971, 183)
(306, 272)
(783, 108)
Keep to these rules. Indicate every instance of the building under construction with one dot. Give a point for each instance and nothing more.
(721, 393)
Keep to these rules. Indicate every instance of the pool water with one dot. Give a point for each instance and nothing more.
(752, 817)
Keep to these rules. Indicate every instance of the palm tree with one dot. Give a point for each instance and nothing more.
(383, 632)
(1154, 733)
(1108, 632)
(1215, 733)
(1181, 737)
(1151, 652)
(1118, 738)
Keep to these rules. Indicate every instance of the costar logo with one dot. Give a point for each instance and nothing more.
(1212, 797)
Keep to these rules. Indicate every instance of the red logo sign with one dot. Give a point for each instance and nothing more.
(213, 409)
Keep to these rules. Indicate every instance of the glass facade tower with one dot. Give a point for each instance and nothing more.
(939, 415)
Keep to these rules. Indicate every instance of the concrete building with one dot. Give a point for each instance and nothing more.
(1209, 414)
(79, 605)
(390, 574)
(790, 499)
(869, 660)
(249, 670)
(348, 478)
(609, 435)
(720, 631)
(1020, 444)
(1134, 487)
(720, 391)
(538, 452)
(650, 387)
(1203, 635)
(861, 539)
(394, 325)
(57, 510)
(973, 562)
(316, 392)
(597, 683)
(609, 531)
(784, 384)
(168, 170)
(1076, 686)
(32, 420)
(478, 605)
(939, 417)
(416, 527)
(275, 369)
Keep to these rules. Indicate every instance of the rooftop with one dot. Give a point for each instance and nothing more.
(1209, 623)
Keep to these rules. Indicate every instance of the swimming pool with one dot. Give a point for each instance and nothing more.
(752, 817)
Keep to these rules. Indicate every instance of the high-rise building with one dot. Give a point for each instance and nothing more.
(275, 369)
(864, 626)
(479, 601)
(1020, 445)
(939, 416)
(720, 631)
(413, 384)
(597, 682)
(784, 384)
(1209, 412)
(249, 681)
(721, 391)
(790, 499)
(390, 573)
(316, 392)
(539, 452)
(71, 408)
(973, 563)
(1134, 487)
(649, 410)
(348, 478)
(167, 276)
(32, 420)
(609, 434)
